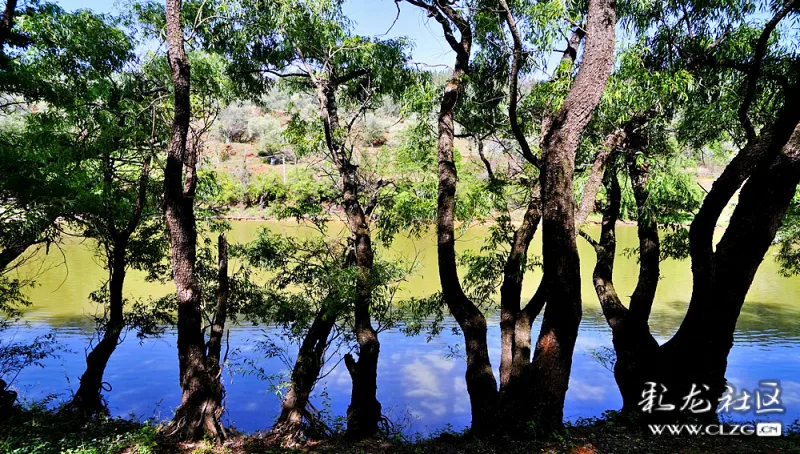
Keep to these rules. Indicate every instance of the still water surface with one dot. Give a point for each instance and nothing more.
(420, 383)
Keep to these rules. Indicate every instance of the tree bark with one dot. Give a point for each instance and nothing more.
(511, 288)
(634, 346)
(697, 354)
(552, 361)
(364, 412)
(705, 338)
(214, 345)
(595, 180)
(199, 412)
(7, 22)
(87, 401)
(310, 360)
(481, 383)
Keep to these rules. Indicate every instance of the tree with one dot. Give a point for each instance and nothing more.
(560, 136)
(342, 71)
(481, 383)
(765, 170)
(71, 139)
(311, 297)
(199, 414)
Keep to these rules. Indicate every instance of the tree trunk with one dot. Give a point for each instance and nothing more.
(634, 346)
(697, 354)
(511, 288)
(214, 345)
(87, 401)
(7, 21)
(221, 311)
(310, 359)
(481, 383)
(364, 412)
(705, 338)
(552, 361)
(199, 412)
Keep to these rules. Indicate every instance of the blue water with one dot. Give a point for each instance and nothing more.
(420, 384)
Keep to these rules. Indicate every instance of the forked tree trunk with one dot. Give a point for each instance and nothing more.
(552, 360)
(696, 357)
(515, 324)
(481, 383)
(770, 165)
(704, 340)
(635, 348)
(199, 413)
(516, 320)
(364, 412)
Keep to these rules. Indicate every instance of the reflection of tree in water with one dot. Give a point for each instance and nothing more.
(759, 322)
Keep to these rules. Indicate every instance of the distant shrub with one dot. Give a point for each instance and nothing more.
(374, 133)
(233, 122)
(269, 132)
(226, 153)
(265, 189)
(228, 191)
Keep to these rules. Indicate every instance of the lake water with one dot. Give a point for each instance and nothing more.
(420, 384)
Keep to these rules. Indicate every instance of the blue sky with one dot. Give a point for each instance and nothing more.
(371, 17)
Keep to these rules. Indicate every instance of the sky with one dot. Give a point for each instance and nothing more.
(370, 17)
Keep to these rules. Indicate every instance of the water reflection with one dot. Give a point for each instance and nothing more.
(421, 384)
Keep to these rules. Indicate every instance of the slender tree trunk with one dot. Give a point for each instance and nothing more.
(515, 325)
(634, 346)
(199, 412)
(481, 383)
(310, 360)
(511, 288)
(214, 345)
(552, 361)
(364, 412)
(87, 401)
(7, 21)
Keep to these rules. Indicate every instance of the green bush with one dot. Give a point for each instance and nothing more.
(220, 188)
(233, 122)
(265, 189)
(36, 430)
(374, 133)
(269, 132)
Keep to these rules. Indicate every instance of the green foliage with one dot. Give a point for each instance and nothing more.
(36, 430)
(788, 240)
(245, 298)
(234, 123)
(15, 356)
(269, 133)
(12, 301)
(674, 195)
(316, 272)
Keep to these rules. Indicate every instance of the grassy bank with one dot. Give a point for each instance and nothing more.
(38, 431)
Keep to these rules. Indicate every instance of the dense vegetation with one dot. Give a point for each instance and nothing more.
(144, 132)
